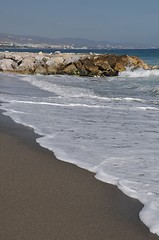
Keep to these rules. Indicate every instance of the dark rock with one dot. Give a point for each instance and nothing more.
(81, 69)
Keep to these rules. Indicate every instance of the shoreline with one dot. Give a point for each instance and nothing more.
(44, 198)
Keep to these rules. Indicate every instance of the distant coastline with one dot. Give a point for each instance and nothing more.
(68, 47)
(22, 41)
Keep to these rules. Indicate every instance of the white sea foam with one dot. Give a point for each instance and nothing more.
(48, 85)
(58, 104)
(133, 99)
(150, 215)
(108, 134)
(148, 108)
(139, 73)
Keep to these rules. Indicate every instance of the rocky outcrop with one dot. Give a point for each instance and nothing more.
(69, 63)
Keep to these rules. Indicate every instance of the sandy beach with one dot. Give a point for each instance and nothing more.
(42, 198)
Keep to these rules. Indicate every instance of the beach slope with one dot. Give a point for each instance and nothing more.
(42, 198)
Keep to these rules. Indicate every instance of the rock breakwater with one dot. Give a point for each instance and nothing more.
(68, 63)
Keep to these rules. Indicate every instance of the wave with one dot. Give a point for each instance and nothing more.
(155, 90)
(139, 73)
(105, 103)
(149, 89)
(76, 105)
(148, 108)
(48, 84)
(59, 104)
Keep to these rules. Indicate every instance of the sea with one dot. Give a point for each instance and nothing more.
(107, 125)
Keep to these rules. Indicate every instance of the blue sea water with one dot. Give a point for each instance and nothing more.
(106, 125)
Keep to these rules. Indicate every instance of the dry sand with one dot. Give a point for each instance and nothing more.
(42, 198)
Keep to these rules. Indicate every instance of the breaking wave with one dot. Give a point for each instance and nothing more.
(139, 73)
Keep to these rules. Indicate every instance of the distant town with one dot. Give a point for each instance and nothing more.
(55, 46)
(34, 45)
(17, 41)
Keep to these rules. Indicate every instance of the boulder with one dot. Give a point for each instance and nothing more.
(2, 56)
(15, 57)
(27, 66)
(57, 59)
(71, 58)
(119, 67)
(40, 66)
(135, 62)
(90, 67)
(81, 70)
(51, 66)
(7, 65)
(41, 69)
(71, 69)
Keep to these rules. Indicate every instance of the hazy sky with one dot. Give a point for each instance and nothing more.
(112, 20)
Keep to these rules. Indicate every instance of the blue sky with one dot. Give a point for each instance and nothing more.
(112, 20)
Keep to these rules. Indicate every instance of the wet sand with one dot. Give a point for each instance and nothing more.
(42, 198)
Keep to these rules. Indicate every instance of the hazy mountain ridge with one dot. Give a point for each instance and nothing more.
(74, 42)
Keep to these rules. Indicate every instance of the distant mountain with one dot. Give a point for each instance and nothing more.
(77, 42)
(74, 42)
